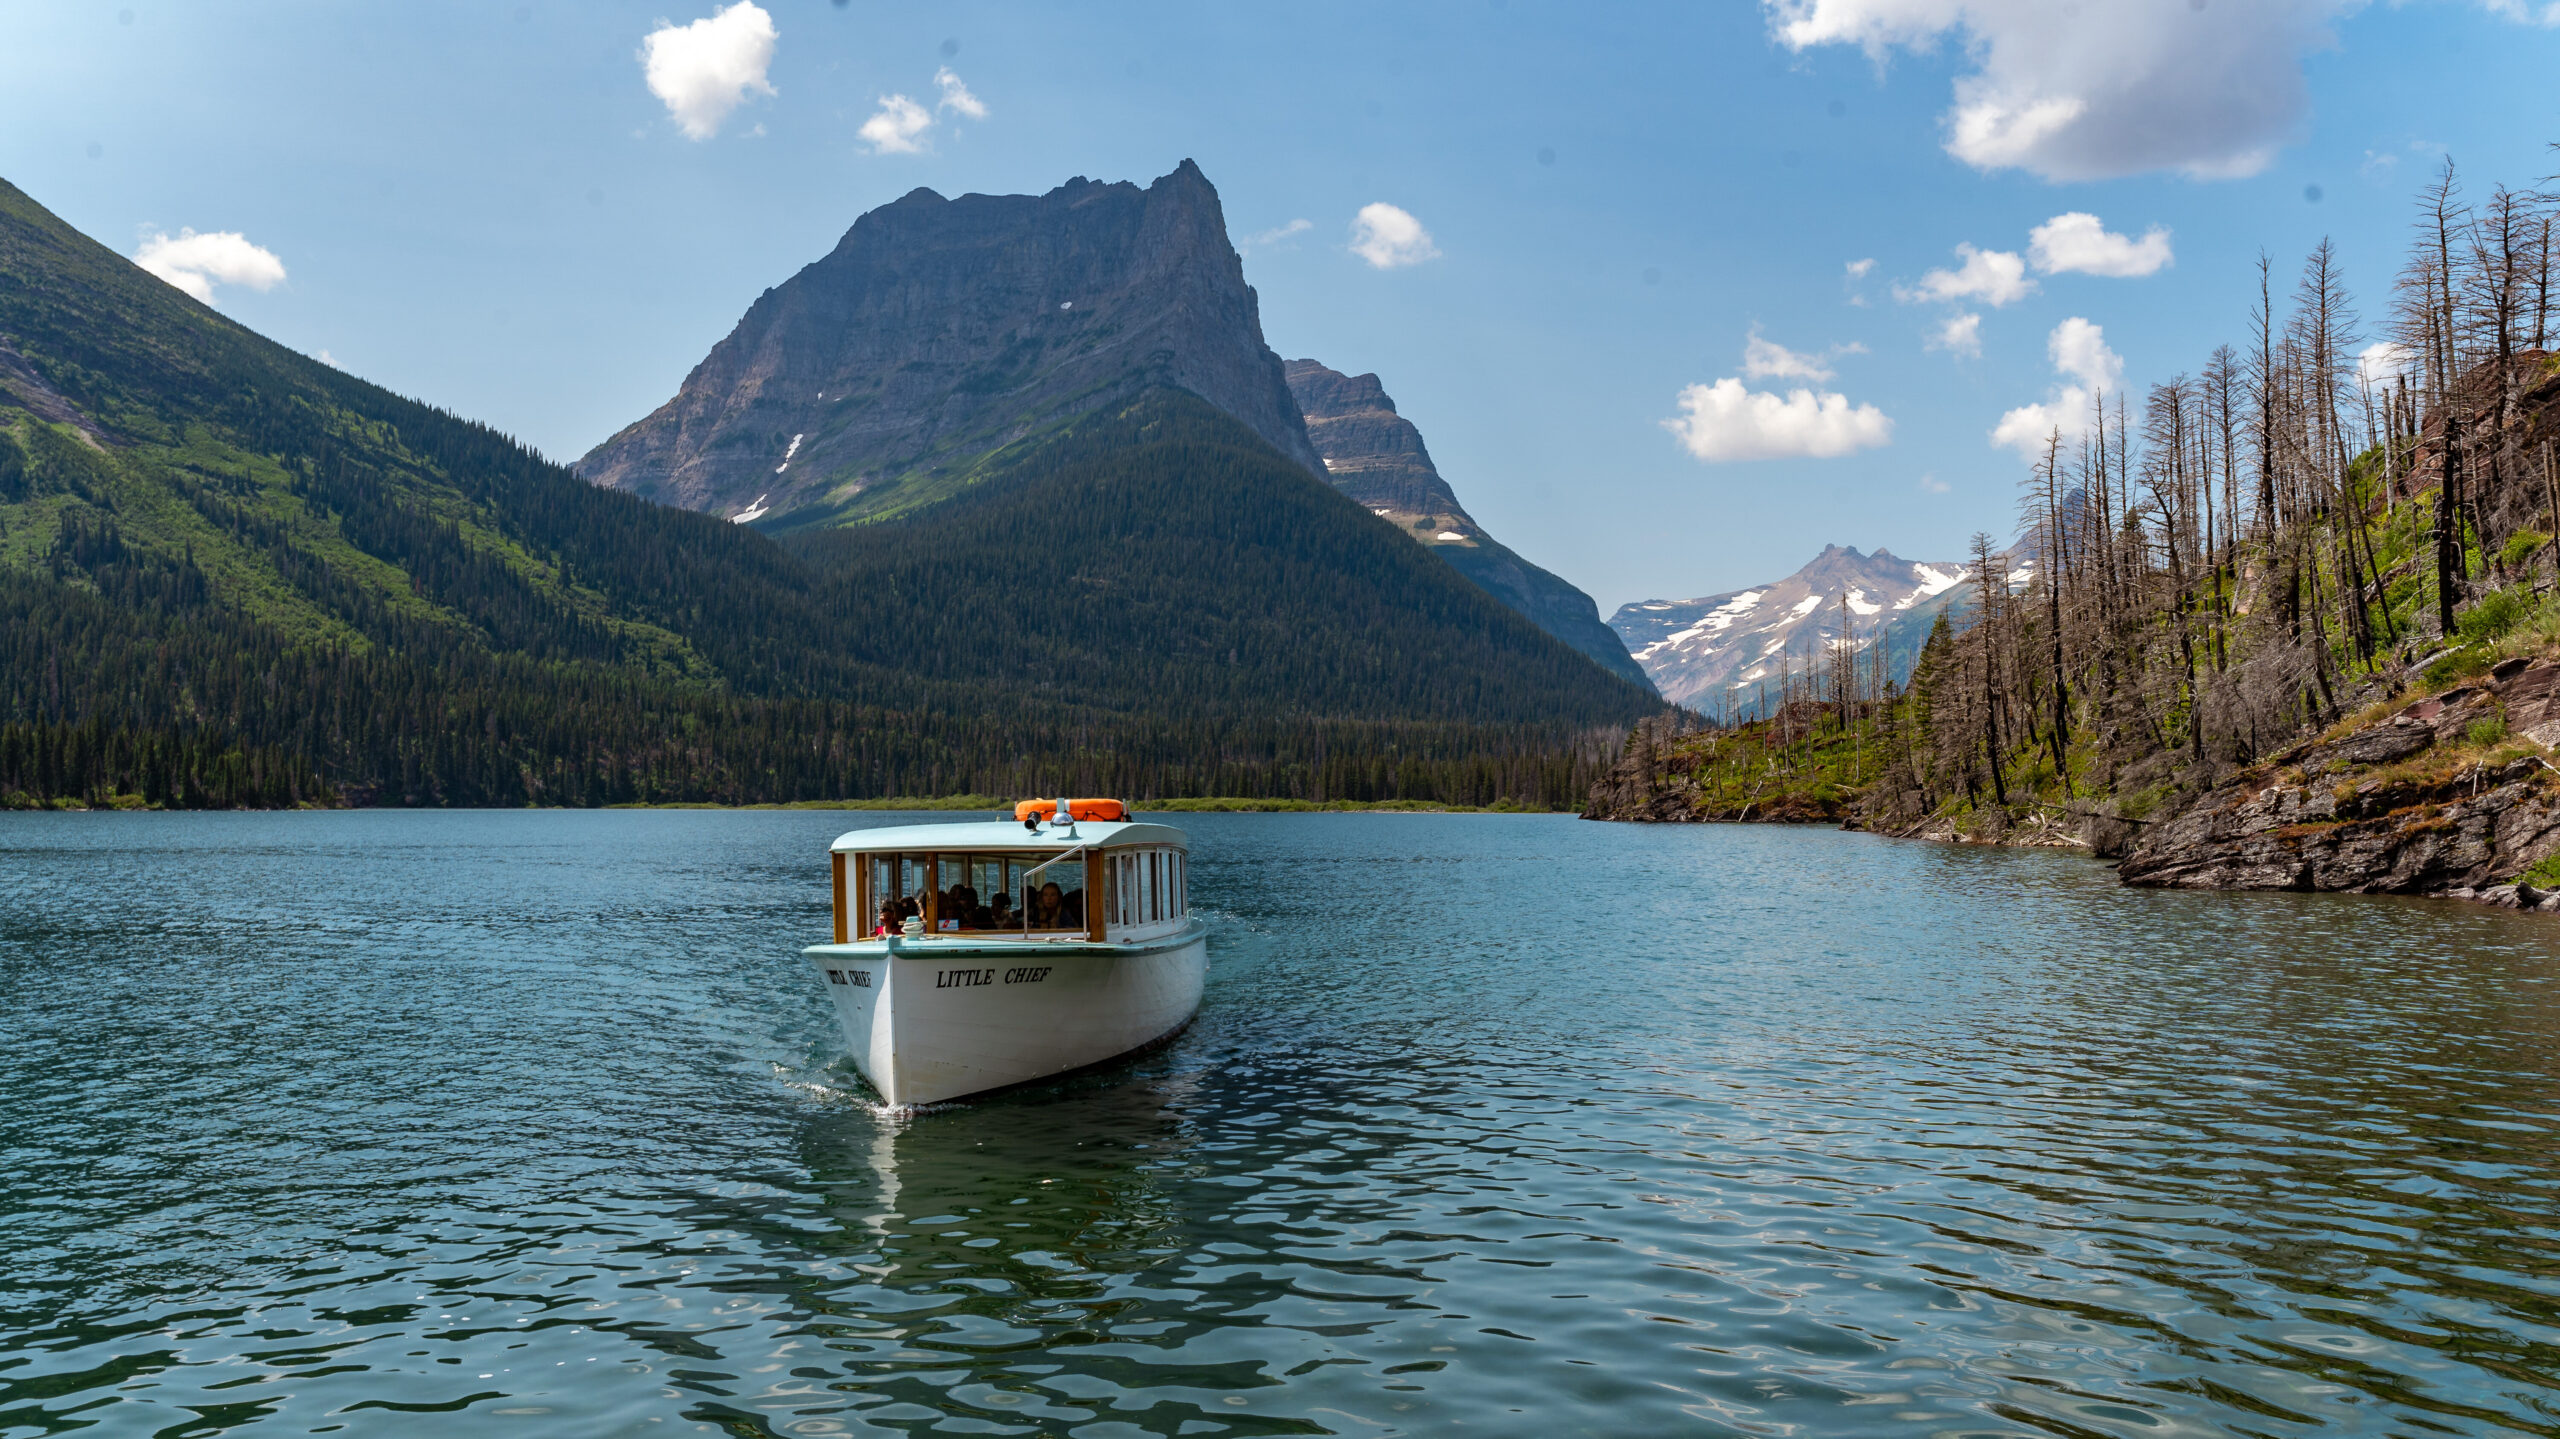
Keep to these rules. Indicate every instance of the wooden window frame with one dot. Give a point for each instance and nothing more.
(843, 923)
(1097, 891)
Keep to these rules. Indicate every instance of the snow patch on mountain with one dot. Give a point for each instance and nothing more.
(1715, 652)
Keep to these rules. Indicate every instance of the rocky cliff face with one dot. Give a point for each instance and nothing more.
(1377, 457)
(1372, 453)
(938, 331)
(1695, 649)
(2437, 797)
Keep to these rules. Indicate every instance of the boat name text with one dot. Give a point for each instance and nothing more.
(961, 978)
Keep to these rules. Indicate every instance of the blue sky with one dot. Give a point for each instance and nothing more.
(482, 203)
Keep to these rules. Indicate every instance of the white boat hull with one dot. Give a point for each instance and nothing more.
(931, 1019)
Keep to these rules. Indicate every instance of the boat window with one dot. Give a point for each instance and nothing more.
(1147, 887)
(975, 893)
(1051, 899)
(1124, 888)
(899, 884)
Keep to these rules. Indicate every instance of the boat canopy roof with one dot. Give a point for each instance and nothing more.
(983, 835)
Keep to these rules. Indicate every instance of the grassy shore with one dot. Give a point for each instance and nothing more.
(1308, 806)
(1154, 806)
(952, 802)
(902, 802)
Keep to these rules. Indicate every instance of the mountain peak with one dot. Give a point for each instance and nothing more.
(938, 331)
(1377, 457)
(1370, 452)
(1718, 649)
(1320, 387)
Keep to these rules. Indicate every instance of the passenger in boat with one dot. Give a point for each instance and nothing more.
(1000, 911)
(959, 907)
(889, 918)
(1048, 907)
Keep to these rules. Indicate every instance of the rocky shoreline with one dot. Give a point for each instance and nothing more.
(2449, 795)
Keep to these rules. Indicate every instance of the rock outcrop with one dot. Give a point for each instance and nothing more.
(2449, 794)
(1377, 457)
(1372, 453)
(938, 331)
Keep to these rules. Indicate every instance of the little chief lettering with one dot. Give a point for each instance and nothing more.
(958, 978)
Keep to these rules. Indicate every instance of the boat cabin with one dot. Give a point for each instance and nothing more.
(1104, 881)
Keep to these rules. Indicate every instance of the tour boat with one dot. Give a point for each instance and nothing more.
(970, 957)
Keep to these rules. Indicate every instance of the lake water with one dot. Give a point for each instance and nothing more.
(385, 1123)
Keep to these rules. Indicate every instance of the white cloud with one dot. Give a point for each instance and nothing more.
(1768, 360)
(1387, 237)
(1265, 239)
(956, 96)
(196, 263)
(1851, 274)
(704, 70)
(1959, 334)
(1932, 485)
(897, 127)
(330, 360)
(2079, 349)
(2104, 88)
(1725, 421)
(2383, 362)
(1995, 277)
(2078, 242)
(2090, 91)
(2089, 371)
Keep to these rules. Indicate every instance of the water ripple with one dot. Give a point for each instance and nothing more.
(360, 1122)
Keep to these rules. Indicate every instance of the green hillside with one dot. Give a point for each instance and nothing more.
(230, 574)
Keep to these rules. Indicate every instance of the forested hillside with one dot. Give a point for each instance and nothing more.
(232, 575)
(2294, 619)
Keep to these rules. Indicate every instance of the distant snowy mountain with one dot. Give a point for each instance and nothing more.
(1695, 650)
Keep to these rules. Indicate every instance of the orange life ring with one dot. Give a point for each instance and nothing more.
(1097, 810)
